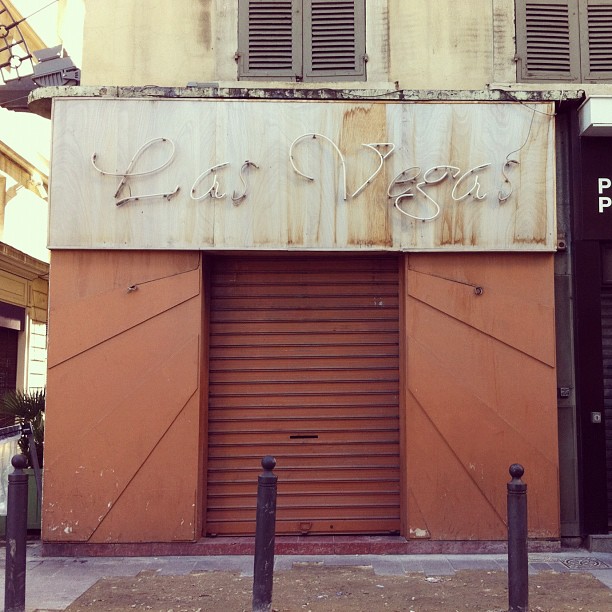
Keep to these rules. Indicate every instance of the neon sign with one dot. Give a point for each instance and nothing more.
(407, 187)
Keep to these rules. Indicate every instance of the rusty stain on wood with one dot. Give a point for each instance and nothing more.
(368, 216)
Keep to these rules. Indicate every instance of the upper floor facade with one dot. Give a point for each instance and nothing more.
(349, 44)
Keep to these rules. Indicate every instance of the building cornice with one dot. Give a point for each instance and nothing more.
(41, 98)
(21, 264)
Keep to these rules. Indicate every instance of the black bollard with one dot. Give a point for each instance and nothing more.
(518, 578)
(16, 537)
(264, 537)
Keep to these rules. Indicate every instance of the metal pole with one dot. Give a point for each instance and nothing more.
(518, 578)
(16, 537)
(264, 537)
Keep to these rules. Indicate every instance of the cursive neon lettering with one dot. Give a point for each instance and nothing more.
(375, 147)
(213, 190)
(238, 197)
(314, 136)
(474, 189)
(129, 172)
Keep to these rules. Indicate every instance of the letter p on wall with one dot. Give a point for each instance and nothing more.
(604, 202)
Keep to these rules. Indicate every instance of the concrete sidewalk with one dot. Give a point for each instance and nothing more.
(53, 583)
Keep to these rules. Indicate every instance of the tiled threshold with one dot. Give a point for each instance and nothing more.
(290, 545)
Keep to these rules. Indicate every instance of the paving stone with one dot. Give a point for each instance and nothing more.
(471, 563)
(349, 560)
(604, 576)
(388, 567)
(238, 563)
(412, 565)
(437, 567)
(540, 567)
(178, 567)
(557, 566)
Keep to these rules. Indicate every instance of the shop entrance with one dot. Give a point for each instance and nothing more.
(304, 366)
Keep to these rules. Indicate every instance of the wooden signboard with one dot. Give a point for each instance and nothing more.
(320, 175)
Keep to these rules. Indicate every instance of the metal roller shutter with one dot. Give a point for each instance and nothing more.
(304, 365)
(606, 338)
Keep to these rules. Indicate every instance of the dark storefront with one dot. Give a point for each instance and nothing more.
(593, 315)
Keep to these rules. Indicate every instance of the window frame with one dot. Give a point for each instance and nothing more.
(302, 64)
(575, 45)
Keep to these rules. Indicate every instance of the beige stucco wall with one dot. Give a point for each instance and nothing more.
(410, 45)
(441, 45)
(147, 42)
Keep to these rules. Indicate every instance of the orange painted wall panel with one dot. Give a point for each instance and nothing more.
(480, 393)
(125, 430)
(123, 398)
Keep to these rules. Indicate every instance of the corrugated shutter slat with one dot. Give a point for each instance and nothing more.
(268, 33)
(304, 365)
(606, 329)
(301, 39)
(564, 40)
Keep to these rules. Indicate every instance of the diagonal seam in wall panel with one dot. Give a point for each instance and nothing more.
(173, 290)
(91, 459)
(497, 439)
(461, 464)
(489, 412)
(436, 293)
(142, 465)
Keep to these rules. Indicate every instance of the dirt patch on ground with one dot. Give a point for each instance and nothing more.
(334, 589)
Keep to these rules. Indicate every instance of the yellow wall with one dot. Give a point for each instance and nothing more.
(149, 42)
(411, 45)
(440, 45)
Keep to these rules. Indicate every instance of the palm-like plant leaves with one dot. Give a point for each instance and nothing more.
(27, 406)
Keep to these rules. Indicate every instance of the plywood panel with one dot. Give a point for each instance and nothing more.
(120, 401)
(478, 399)
(477, 293)
(318, 192)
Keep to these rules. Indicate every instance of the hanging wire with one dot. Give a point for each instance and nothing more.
(42, 8)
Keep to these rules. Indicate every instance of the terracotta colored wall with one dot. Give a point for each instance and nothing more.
(124, 431)
(122, 451)
(481, 393)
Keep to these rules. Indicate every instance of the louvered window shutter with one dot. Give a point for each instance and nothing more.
(548, 40)
(334, 40)
(596, 39)
(269, 32)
